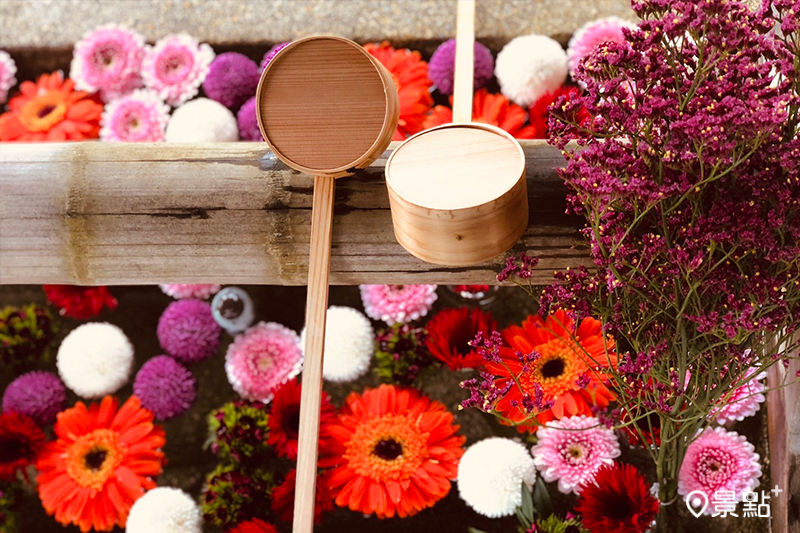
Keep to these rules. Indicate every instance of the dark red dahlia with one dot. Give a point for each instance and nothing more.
(647, 426)
(450, 332)
(284, 421)
(619, 501)
(21, 440)
(79, 302)
(283, 497)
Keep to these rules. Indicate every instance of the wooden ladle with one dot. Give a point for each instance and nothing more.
(326, 107)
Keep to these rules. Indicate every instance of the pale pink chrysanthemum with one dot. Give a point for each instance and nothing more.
(397, 303)
(8, 69)
(188, 290)
(743, 401)
(138, 117)
(572, 450)
(719, 460)
(591, 34)
(176, 66)
(109, 60)
(262, 359)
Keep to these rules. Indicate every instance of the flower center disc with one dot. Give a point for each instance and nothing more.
(94, 457)
(390, 447)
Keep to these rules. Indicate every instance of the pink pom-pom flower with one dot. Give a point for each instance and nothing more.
(109, 60)
(180, 291)
(8, 70)
(176, 66)
(743, 401)
(397, 303)
(188, 332)
(591, 34)
(138, 117)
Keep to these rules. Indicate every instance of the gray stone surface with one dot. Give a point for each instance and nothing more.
(54, 23)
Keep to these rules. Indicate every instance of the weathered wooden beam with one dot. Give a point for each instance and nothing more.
(100, 213)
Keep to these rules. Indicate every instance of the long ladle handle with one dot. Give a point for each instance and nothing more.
(319, 264)
(465, 60)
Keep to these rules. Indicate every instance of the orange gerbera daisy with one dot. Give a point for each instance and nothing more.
(395, 452)
(100, 464)
(494, 109)
(568, 356)
(50, 110)
(410, 75)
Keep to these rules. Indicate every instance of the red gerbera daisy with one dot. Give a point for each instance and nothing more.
(101, 463)
(566, 353)
(618, 501)
(284, 420)
(50, 110)
(493, 109)
(450, 332)
(283, 497)
(395, 452)
(79, 302)
(254, 526)
(21, 440)
(410, 75)
(538, 113)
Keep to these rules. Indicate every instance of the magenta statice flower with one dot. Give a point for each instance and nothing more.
(743, 401)
(262, 359)
(441, 68)
(270, 54)
(188, 332)
(176, 66)
(138, 117)
(180, 291)
(165, 387)
(108, 60)
(572, 450)
(591, 34)
(397, 303)
(719, 460)
(38, 395)
(232, 79)
(248, 122)
(8, 71)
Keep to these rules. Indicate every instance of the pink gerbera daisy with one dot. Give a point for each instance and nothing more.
(8, 69)
(109, 60)
(572, 450)
(138, 117)
(591, 34)
(262, 359)
(719, 460)
(187, 290)
(743, 401)
(176, 66)
(397, 303)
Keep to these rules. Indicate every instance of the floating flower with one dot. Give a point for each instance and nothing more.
(81, 303)
(233, 495)
(165, 510)
(239, 431)
(441, 69)
(165, 387)
(743, 401)
(232, 78)
(187, 290)
(538, 113)
(559, 363)
(271, 54)
(401, 354)
(95, 359)
(8, 69)
(188, 331)
(492, 109)
(25, 334)
(254, 526)
(21, 441)
(591, 34)
(283, 497)
(719, 460)
(490, 475)
(394, 452)
(450, 333)
(348, 344)
(572, 450)
(617, 501)
(138, 117)
(529, 67)
(202, 121)
(284, 422)
(175, 67)
(50, 110)
(38, 395)
(397, 303)
(109, 60)
(248, 122)
(410, 75)
(103, 460)
(262, 359)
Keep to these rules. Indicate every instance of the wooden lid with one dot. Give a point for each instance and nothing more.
(326, 107)
(455, 166)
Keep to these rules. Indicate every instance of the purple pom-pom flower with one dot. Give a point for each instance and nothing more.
(188, 332)
(165, 387)
(441, 68)
(248, 122)
(232, 79)
(38, 395)
(272, 53)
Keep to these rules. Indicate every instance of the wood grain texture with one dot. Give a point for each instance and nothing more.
(465, 61)
(117, 214)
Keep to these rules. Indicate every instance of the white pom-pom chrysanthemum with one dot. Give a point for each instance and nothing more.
(95, 359)
(349, 344)
(490, 474)
(202, 120)
(530, 67)
(164, 510)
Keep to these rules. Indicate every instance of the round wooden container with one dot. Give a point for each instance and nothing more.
(458, 193)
